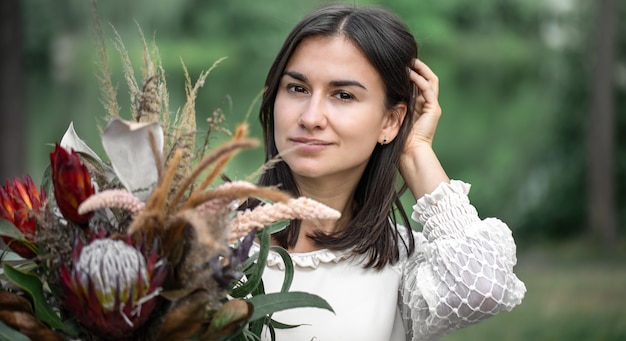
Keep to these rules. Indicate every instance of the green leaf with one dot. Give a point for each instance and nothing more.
(32, 285)
(248, 264)
(257, 274)
(9, 334)
(288, 268)
(280, 325)
(270, 327)
(256, 327)
(9, 230)
(230, 316)
(46, 183)
(270, 303)
(10, 256)
(276, 227)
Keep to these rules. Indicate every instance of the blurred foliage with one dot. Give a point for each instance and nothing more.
(514, 85)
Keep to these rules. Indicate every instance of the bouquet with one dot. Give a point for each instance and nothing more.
(149, 244)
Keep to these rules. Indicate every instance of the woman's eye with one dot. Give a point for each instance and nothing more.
(344, 95)
(296, 88)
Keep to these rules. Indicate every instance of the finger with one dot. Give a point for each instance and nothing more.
(420, 101)
(422, 69)
(425, 87)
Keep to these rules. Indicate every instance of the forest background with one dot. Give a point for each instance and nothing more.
(533, 95)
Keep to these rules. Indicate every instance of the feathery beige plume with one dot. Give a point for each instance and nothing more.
(148, 101)
(299, 208)
(129, 73)
(185, 123)
(229, 193)
(107, 90)
(226, 150)
(112, 198)
(148, 70)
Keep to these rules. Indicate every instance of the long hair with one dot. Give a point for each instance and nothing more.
(390, 48)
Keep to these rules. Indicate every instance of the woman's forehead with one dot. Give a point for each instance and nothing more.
(333, 57)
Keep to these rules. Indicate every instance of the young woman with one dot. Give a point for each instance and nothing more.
(346, 107)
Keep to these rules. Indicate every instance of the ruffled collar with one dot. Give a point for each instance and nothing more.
(305, 259)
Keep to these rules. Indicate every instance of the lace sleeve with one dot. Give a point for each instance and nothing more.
(462, 270)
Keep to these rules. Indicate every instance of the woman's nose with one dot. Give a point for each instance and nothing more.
(314, 114)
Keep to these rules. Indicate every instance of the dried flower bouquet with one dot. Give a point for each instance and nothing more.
(145, 246)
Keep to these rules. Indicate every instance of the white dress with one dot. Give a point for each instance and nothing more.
(460, 273)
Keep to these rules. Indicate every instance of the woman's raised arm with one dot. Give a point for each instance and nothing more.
(419, 166)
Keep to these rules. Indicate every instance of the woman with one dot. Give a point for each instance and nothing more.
(346, 106)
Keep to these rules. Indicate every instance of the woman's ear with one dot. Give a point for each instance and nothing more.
(392, 123)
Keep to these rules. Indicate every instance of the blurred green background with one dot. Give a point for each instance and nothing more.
(532, 93)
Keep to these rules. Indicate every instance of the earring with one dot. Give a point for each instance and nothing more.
(384, 141)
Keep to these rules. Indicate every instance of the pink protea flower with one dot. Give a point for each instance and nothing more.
(72, 184)
(19, 204)
(112, 288)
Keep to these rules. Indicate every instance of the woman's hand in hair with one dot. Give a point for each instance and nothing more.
(419, 165)
(427, 109)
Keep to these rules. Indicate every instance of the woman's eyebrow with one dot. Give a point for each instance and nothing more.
(338, 83)
(342, 83)
(296, 76)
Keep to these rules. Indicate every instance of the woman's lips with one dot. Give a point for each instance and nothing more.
(309, 145)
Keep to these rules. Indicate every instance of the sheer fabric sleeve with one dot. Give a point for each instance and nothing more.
(462, 270)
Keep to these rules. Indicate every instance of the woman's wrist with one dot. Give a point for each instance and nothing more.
(421, 170)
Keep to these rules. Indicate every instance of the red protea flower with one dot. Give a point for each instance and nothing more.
(19, 204)
(112, 288)
(72, 184)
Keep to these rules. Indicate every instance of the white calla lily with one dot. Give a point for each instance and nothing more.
(128, 146)
(71, 141)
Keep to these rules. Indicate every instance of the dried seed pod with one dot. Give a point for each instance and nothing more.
(147, 102)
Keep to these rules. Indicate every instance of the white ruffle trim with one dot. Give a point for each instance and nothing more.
(304, 260)
(443, 190)
(445, 211)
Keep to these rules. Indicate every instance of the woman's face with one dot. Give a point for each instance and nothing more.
(329, 111)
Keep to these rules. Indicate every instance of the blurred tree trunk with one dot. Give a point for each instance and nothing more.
(601, 134)
(12, 113)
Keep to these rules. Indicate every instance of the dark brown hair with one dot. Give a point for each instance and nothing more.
(390, 48)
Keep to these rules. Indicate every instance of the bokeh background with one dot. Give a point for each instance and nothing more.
(534, 114)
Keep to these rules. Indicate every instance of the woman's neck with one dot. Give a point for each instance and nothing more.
(336, 195)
